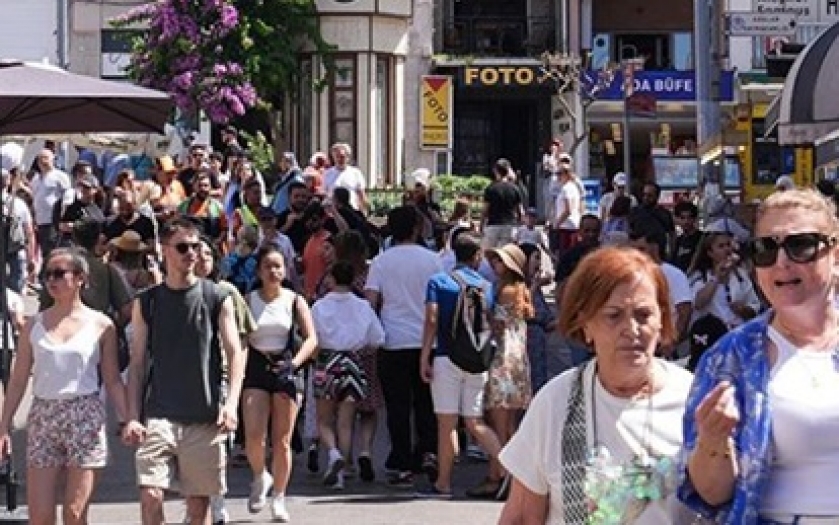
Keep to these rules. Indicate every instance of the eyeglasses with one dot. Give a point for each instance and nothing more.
(801, 248)
(183, 247)
(56, 273)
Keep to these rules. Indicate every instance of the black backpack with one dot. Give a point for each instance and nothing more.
(469, 341)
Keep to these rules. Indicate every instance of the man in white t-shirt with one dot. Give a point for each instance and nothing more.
(652, 241)
(49, 186)
(344, 175)
(396, 287)
(618, 188)
(567, 210)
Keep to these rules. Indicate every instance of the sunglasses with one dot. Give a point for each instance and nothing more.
(56, 273)
(183, 247)
(800, 248)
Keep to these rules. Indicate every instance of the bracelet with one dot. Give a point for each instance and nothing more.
(714, 453)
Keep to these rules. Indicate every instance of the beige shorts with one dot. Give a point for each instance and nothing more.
(194, 454)
(455, 392)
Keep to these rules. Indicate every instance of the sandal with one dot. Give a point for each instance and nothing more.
(487, 489)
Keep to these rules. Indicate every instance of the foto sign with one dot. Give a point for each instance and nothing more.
(436, 112)
(757, 24)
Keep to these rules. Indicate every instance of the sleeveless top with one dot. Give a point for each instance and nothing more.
(66, 370)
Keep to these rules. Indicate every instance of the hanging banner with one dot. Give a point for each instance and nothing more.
(436, 112)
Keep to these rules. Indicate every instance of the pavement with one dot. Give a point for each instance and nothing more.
(308, 501)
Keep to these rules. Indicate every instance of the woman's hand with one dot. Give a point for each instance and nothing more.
(5, 445)
(133, 433)
(426, 371)
(716, 416)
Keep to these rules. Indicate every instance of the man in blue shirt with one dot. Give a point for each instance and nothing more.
(455, 393)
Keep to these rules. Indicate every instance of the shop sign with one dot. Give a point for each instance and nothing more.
(436, 112)
(503, 76)
(804, 11)
(758, 24)
(666, 86)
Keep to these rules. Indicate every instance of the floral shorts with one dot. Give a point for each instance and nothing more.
(67, 433)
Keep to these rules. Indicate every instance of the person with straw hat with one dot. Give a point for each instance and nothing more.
(129, 257)
(508, 390)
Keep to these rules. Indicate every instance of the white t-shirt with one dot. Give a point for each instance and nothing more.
(48, 189)
(345, 322)
(400, 275)
(569, 194)
(804, 394)
(350, 178)
(738, 288)
(606, 202)
(534, 454)
(677, 281)
(20, 211)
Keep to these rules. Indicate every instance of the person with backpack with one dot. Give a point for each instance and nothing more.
(19, 235)
(457, 314)
(178, 415)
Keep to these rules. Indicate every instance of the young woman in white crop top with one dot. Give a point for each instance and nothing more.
(64, 348)
(273, 385)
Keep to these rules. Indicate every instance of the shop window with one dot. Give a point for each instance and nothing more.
(384, 175)
(342, 112)
(305, 110)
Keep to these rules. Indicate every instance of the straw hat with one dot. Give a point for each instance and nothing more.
(512, 257)
(165, 164)
(129, 241)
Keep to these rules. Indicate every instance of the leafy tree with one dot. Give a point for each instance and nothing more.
(224, 56)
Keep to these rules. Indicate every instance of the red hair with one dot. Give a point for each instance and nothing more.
(597, 276)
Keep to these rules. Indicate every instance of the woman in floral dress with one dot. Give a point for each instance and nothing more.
(508, 390)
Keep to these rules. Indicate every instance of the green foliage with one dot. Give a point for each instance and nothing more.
(447, 189)
(261, 150)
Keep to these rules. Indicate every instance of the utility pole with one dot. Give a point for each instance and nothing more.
(629, 67)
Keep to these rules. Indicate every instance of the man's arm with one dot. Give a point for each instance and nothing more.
(232, 345)
(133, 432)
(429, 333)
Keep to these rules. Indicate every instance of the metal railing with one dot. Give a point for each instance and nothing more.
(497, 35)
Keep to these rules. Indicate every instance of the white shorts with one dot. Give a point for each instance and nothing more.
(455, 392)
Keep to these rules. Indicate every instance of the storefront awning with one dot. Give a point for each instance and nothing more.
(773, 113)
(809, 106)
(827, 149)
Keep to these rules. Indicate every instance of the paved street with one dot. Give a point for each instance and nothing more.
(309, 502)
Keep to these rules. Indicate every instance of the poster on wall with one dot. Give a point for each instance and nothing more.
(436, 107)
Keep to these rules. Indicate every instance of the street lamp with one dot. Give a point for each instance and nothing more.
(630, 66)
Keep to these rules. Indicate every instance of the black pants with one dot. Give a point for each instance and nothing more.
(407, 395)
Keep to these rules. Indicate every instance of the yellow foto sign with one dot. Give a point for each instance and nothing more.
(436, 112)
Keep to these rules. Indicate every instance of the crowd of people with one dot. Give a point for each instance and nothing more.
(226, 315)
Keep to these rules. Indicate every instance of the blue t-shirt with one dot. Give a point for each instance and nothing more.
(443, 290)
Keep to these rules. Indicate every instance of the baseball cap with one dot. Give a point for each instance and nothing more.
(88, 180)
(619, 179)
(565, 158)
(784, 182)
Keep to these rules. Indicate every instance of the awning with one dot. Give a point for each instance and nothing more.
(827, 149)
(809, 106)
(773, 113)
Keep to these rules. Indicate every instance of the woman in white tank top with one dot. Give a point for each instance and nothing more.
(64, 348)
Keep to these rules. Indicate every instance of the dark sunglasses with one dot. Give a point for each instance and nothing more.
(801, 248)
(184, 247)
(56, 273)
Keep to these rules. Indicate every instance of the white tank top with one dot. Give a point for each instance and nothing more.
(273, 321)
(804, 396)
(67, 370)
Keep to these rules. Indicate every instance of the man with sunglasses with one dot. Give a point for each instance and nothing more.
(180, 328)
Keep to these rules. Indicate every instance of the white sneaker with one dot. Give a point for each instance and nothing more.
(336, 466)
(339, 482)
(218, 510)
(259, 492)
(278, 510)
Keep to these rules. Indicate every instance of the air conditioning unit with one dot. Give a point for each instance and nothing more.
(601, 50)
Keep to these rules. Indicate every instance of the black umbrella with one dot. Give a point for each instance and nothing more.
(38, 99)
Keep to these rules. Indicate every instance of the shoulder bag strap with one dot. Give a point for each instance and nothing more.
(574, 454)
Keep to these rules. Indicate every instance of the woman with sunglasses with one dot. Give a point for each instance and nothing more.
(760, 428)
(64, 349)
(720, 284)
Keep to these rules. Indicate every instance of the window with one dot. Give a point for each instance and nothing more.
(384, 175)
(305, 110)
(343, 102)
(116, 52)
